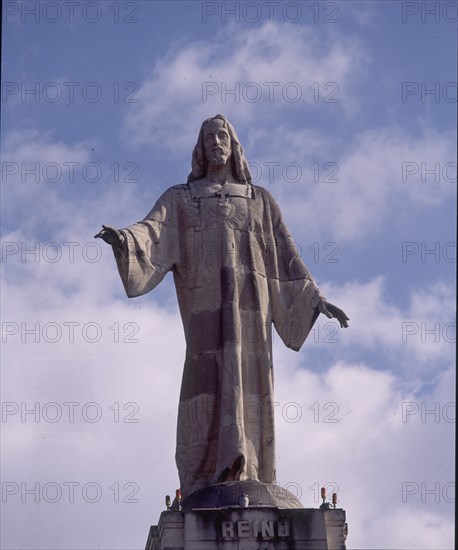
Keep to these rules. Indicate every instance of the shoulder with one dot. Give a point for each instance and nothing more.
(166, 204)
(177, 190)
(174, 194)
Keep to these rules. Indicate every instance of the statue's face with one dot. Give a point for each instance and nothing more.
(217, 142)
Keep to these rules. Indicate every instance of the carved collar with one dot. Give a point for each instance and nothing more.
(202, 189)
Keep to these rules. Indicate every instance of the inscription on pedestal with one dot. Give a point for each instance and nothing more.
(244, 529)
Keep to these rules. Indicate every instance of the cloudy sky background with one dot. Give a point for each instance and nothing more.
(335, 116)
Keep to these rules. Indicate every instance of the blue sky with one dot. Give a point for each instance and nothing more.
(344, 110)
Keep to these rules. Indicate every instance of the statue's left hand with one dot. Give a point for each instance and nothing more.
(330, 310)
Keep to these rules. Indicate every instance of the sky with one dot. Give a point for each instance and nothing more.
(347, 112)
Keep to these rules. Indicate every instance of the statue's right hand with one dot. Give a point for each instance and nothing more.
(110, 235)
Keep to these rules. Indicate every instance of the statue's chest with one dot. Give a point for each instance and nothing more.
(222, 212)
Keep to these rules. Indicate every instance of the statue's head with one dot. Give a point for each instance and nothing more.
(218, 144)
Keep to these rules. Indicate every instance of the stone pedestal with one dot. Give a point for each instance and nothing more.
(252, 528)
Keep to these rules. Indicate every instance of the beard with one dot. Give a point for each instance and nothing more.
(217, 158)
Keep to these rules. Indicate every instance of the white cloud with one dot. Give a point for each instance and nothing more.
(382, 174)
(136, 359)
(364, 13)
(44, 208)
(353, 437)
(193, 83)
(397, 333)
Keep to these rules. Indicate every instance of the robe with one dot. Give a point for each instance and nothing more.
(236, 272)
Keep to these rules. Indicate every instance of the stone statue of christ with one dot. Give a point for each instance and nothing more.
(237, 272)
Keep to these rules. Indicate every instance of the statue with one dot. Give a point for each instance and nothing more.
(237, 272)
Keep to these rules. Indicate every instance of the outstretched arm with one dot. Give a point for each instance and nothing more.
(330, 310)
(110, 235)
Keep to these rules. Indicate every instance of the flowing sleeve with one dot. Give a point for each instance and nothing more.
(150, 249)
(293, 294)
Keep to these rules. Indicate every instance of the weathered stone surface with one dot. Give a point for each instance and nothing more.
(228, 494)
(253, 528)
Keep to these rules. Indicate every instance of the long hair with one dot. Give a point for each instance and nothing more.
(239, 165)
